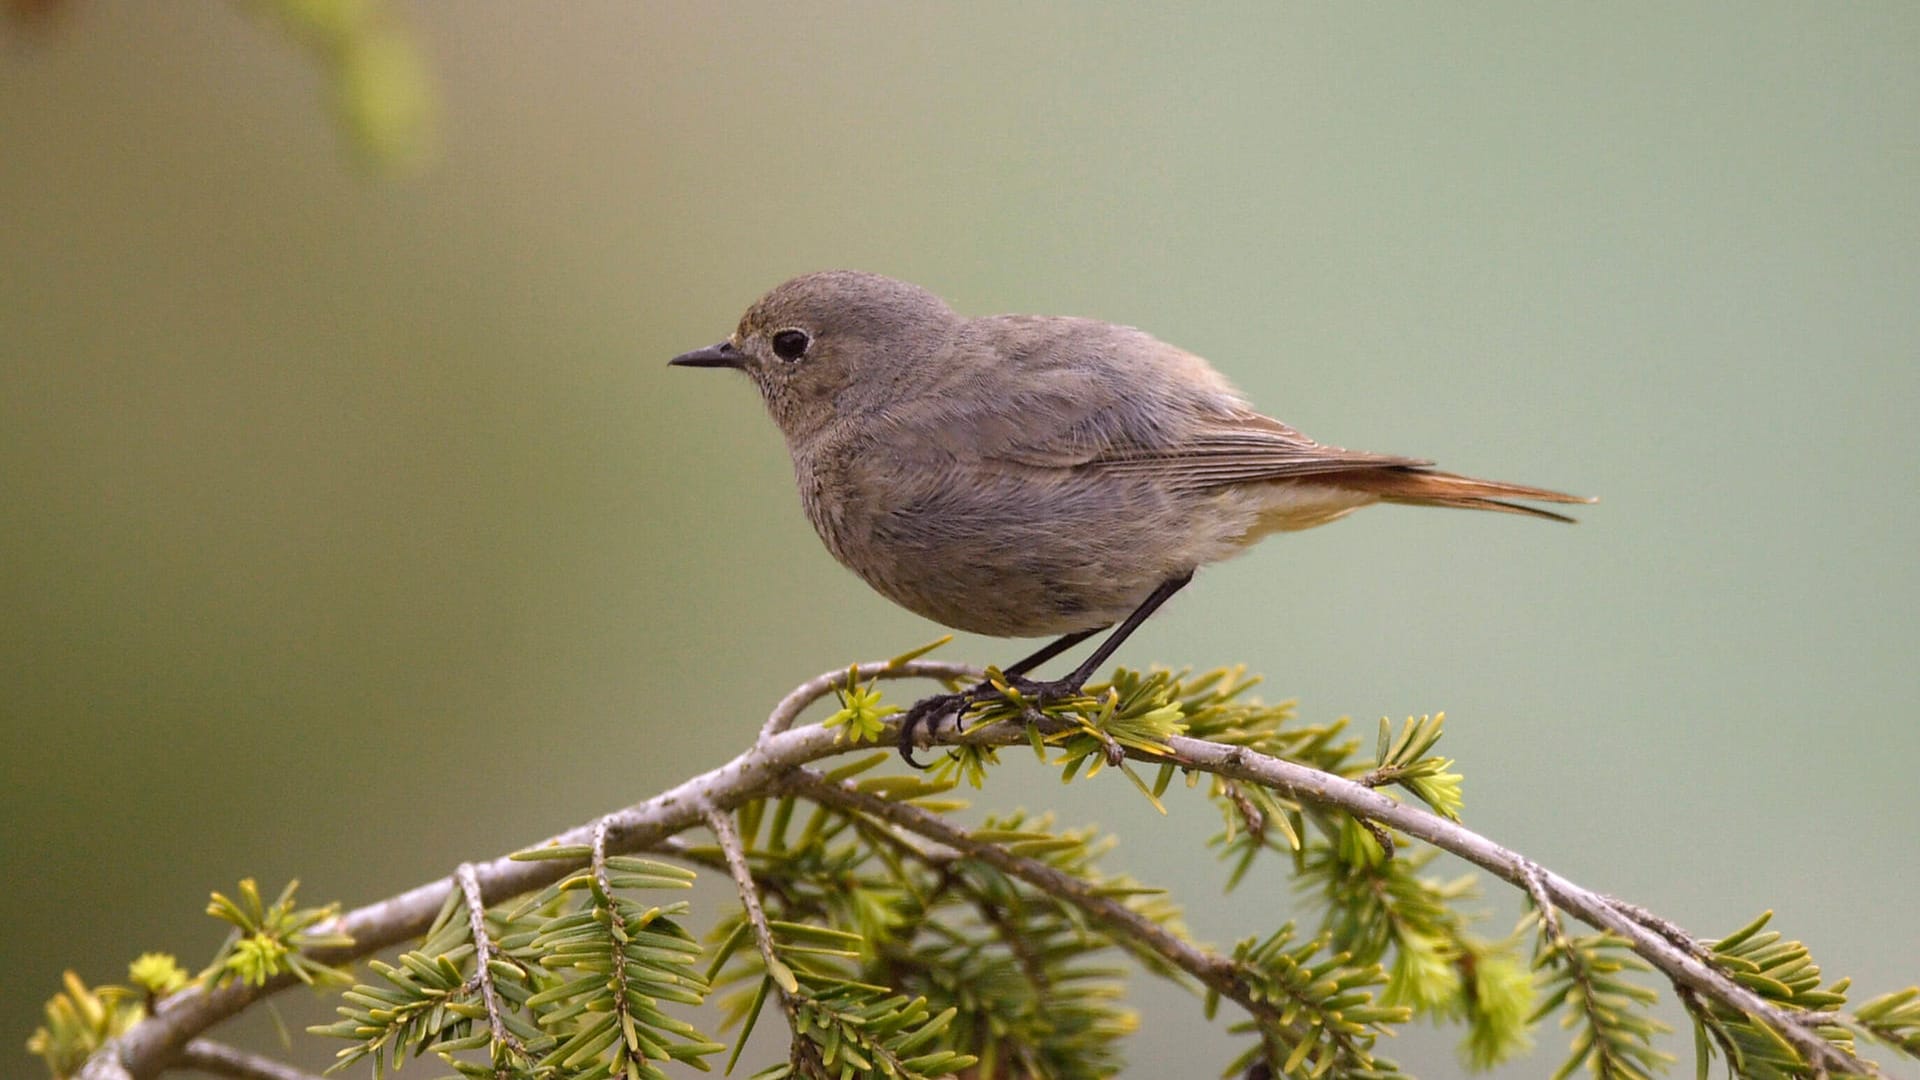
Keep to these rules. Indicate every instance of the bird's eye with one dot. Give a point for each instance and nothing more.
(791, 345)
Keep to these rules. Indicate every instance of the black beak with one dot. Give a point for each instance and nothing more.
(721, 355)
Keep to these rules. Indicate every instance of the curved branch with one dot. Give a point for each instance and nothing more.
(158, 1041)
(1676, 963)
(797, 699)
(155, 1043)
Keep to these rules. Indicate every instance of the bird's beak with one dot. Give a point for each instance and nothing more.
(721, 355)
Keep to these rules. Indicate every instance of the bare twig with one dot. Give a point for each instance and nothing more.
(721, 825)
(220, 1059)
(158, 1041)
(1663, 927)
(483, 950)
(797, 699)
(1536, 887)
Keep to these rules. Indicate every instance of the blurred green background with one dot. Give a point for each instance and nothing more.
(350, 528)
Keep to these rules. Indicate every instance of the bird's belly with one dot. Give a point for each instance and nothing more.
(1016, 562)
(1292, 505)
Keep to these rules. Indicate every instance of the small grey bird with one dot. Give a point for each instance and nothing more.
(1026, 475)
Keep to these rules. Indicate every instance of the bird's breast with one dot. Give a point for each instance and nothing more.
(1004, 550)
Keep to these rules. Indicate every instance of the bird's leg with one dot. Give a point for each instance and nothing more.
(1055, 689)
(930, 711)
(1052, 649)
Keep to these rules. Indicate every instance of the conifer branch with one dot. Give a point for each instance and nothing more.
(1679, 965)
(1215, 971)
(219, 1059)
(1240, 981)
(771, 765)
(154, 1044)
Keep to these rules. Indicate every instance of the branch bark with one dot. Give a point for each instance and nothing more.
(483, 947)
(222, 1060)
(160, 1041)
(720, 823)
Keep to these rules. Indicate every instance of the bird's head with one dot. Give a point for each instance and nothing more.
(825, 344)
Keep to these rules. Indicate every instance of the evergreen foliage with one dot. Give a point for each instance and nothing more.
(893, 942)
(584, 976)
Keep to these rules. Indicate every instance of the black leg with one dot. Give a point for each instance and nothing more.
(930, 710)
(1132, 622)
(1053, 649)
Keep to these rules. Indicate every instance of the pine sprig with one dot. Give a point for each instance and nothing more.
(1029, 999)
(1784, 974)
(1076, 853)
(1007, 961)
(861, 712)
(1584, 979)
(1498, 989)
(1894, 1019)
(616, 965)
(1385, 910)
(1403, 760)
(842, 1024)
(553, 961)
(1015, 963)
(1320, 1016)
(424, 1002)
(1373, 906)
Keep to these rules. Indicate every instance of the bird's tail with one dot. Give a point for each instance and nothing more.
(1426, 487)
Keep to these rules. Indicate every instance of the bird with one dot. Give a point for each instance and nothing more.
(1030, 476)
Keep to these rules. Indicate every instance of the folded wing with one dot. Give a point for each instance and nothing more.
(1097, 398)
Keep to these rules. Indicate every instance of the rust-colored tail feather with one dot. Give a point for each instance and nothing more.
(1427, 487)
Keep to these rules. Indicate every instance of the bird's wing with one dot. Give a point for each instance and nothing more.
(1099, 397)
(1235, 448)
(1210, 449)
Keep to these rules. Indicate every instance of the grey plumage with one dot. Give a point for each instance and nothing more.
(1023, 475)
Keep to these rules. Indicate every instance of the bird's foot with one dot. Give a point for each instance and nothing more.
(1046, 691)
(929, 712)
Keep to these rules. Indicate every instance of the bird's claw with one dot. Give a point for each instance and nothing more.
(1044, 691)
(930, 711)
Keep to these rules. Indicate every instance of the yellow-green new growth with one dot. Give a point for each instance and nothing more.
(861, 712)
(159, 974)
(269, 940)
(80, 1021)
